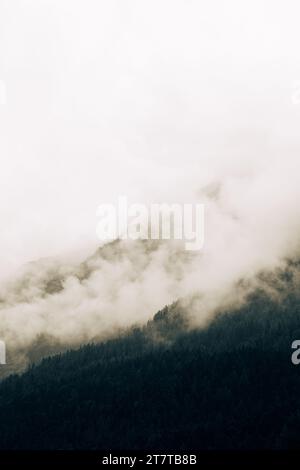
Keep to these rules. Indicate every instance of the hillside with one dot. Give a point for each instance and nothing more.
(229, 385)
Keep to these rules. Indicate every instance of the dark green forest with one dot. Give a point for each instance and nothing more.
(231, 385)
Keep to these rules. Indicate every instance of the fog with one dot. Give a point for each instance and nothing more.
(164, 102)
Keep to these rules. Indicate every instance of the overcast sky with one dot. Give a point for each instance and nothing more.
(151, 99)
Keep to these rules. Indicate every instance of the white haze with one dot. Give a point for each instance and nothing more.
(161, 101)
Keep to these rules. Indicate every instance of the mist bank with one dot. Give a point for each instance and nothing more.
(50, 306)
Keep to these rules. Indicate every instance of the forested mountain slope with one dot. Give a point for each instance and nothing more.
(166, 386)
